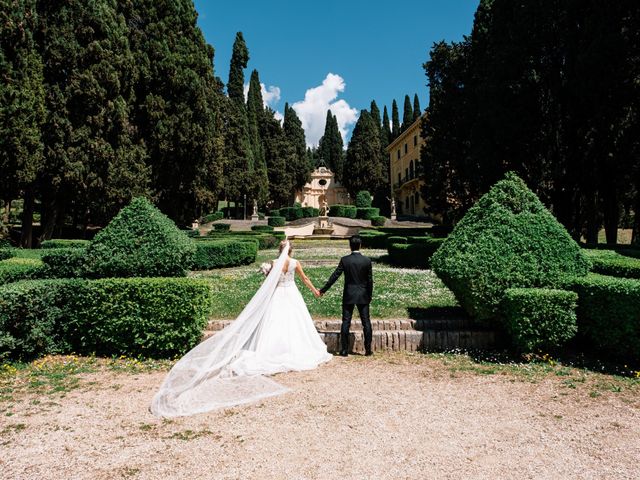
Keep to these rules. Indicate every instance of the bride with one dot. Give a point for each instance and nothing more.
(274, 333)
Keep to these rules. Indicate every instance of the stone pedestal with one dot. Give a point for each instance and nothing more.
(393, 216)
(323, 227)
(255, 218)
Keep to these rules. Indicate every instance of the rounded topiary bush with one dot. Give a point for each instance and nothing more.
(139, 242)
(276, 221)
(378, 221)
(508, 239)
(363, 199)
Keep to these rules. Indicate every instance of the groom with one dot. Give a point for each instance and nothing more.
(358, 288)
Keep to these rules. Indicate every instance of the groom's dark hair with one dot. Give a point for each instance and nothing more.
(355, 242)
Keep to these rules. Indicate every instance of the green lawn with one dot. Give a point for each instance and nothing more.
(395, 289)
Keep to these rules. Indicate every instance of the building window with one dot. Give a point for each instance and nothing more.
(398, 154)
(415, 140)
(406, 203)
(405, 149)
(411, 170)
(417, 197)
(406, 174)
(399, 179)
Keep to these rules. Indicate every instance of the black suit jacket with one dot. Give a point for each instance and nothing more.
(358, 279)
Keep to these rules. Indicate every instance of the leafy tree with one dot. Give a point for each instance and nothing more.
(21, 107)
(395, 121)
(331, 148)
(407, 117)
(363, 168)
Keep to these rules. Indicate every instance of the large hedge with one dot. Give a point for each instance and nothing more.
(363, 199)
(373, 239)
(149, 317)
(539, 318)
(292, 213)
(224, 253)
(507, 240)
(139, 242)
(609, 314)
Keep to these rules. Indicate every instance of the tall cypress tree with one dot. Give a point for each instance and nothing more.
(407, 117)
(386, 127)
(331, 147)
(282, 158)
(417, 111)
(240, 167)
(21, 108)
(363, 168)
(177, 100)
(375, 113)
(94, 163)
(395, 120)
(302, 164)
(259, 182)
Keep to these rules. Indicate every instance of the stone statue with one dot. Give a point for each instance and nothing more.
(255, 208)
(324, 210)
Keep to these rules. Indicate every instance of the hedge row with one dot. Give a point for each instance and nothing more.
(16, 269)
(65, 262)
(262, 228)
(373, 239)
(65, 243)
(539, 318)
(222, 227)
(415, 254)
(367, 213)
(609, 262)
(345, 211)
(265, 239)
(148, 317)
(292, 213)
(609, 314)
(224, 253)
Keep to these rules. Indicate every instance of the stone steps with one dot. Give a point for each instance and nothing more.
(402, 334)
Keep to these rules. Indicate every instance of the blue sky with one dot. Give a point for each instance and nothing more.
(374, 49)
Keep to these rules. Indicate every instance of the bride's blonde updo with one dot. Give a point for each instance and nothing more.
(283, 243)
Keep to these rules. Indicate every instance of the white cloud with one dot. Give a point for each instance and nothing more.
(270, 95)
(313, 109)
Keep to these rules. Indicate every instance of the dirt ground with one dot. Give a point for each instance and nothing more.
(393, 416)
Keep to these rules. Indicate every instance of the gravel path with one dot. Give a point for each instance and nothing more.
(393, 416)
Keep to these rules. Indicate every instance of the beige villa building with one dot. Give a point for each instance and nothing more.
(404, 155)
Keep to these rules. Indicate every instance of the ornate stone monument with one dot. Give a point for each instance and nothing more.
(393, 209)
(323, 227)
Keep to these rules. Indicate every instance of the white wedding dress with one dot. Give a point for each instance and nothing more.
(274, 333)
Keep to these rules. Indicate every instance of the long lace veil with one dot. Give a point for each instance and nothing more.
(201, 380)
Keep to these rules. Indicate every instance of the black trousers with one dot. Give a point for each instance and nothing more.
(347, 314)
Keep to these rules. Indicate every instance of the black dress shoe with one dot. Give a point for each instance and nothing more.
(343, 353)
(368, 353)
